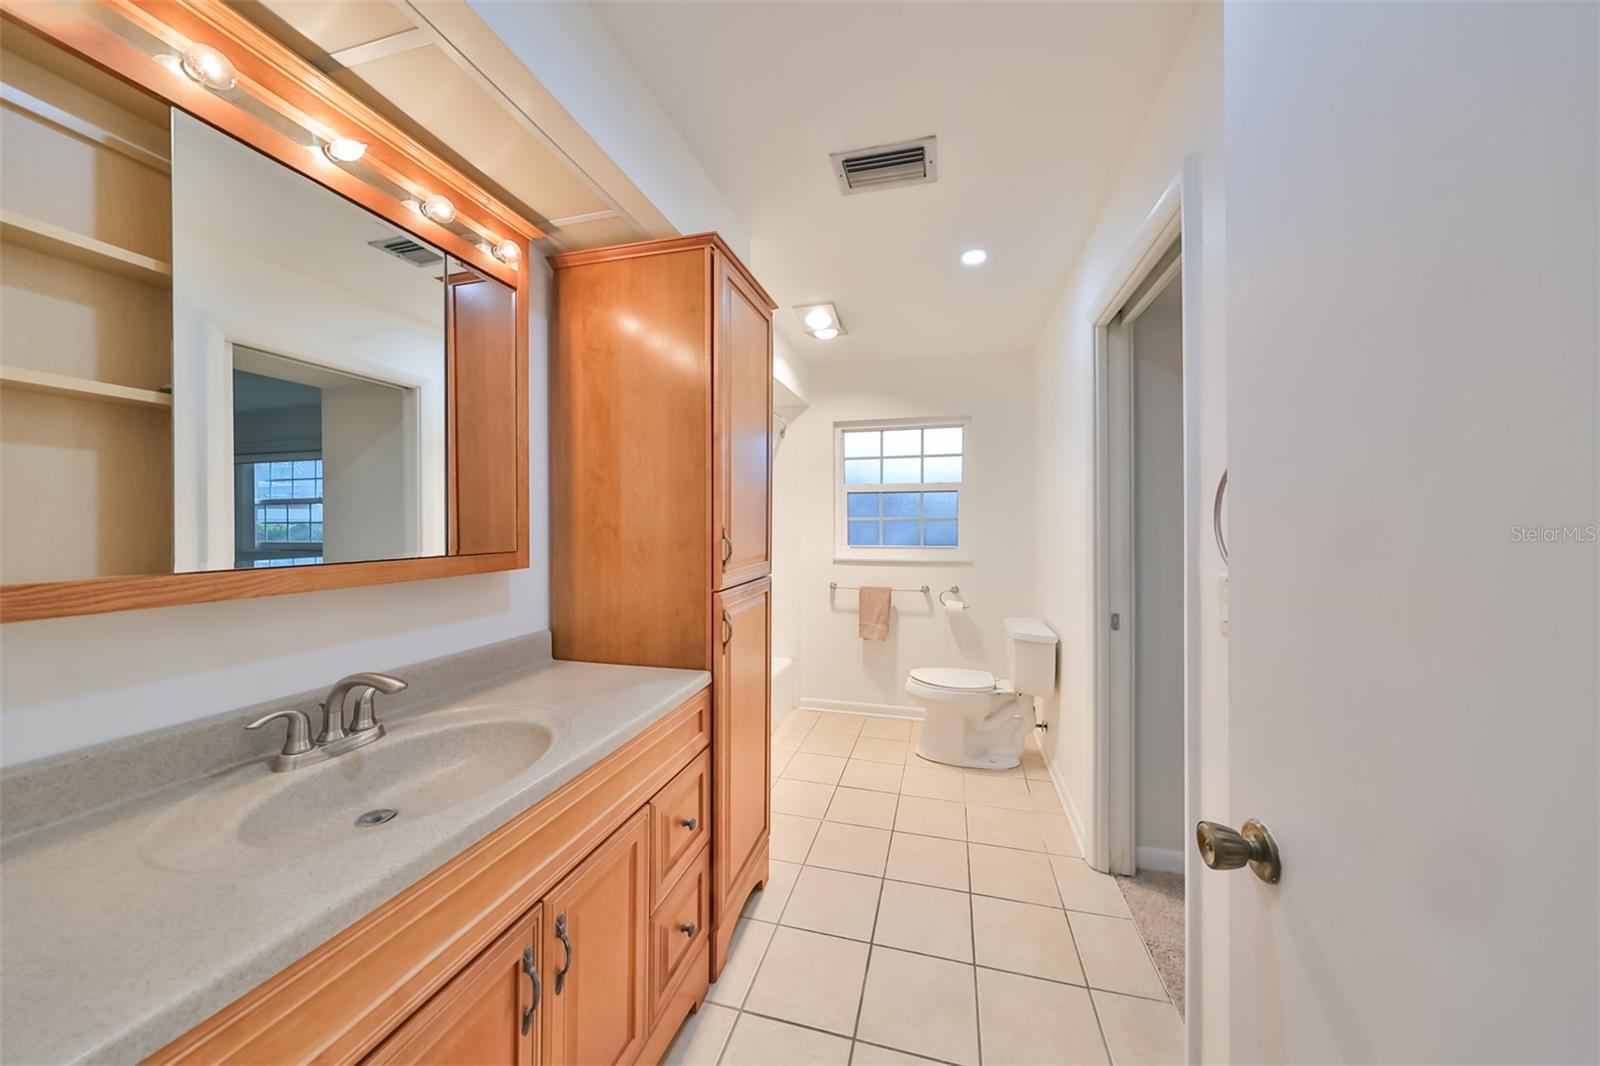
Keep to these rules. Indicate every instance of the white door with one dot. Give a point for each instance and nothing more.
(1412, 402)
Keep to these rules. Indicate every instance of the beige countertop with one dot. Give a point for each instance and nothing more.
(118, 932)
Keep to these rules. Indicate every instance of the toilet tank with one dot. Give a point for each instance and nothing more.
(1031, 655)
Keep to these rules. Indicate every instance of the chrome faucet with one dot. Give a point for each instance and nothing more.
(334, 739)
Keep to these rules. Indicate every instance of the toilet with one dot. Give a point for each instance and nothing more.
(973, 718)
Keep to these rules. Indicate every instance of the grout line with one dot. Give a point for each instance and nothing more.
(972, 927)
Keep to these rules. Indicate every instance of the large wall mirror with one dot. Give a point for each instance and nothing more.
(213, 363)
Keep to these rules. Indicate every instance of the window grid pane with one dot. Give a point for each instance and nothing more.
(288, 507)
(909, 515)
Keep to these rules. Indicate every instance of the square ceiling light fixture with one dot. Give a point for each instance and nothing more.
(821, 321)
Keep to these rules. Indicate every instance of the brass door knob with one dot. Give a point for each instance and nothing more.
(1223, 848)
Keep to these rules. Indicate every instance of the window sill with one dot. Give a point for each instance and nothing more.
(902, 556)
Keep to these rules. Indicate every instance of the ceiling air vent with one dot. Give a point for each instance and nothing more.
(887, 166)
(413, 252)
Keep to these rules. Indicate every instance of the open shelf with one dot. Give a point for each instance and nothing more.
(16, 377)
(46, 237)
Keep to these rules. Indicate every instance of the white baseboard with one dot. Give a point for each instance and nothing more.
(1165, 860)
(1074, 819)
(882, 710)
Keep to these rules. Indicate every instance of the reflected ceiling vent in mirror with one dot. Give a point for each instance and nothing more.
(886, 166)
(411, 251)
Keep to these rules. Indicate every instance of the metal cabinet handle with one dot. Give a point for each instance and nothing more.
(538, 989)
(727, 629)
(1223, 848)
(566, 942)
(688, 929)
(727, 547)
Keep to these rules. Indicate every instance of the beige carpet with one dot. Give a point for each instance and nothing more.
(1156, 900)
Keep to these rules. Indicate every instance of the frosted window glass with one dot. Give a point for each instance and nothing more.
(863, 533)
(861, 471)
(901, 534)
(902, 471)
(940, 534)
(900, 504)
(939, 504)
(863, 505)
(942, 470)
(902, 442)
(946, 441)
(861, 444)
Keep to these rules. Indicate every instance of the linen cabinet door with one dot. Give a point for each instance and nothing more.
(489, 1014)
(741, 740)
(596, 938)
(743, 369)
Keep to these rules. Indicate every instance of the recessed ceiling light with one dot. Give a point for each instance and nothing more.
(821, 320)
(826, 334)
(974, 256)
(344, 149)
(818, 318)
(209, 67)
(439, 209)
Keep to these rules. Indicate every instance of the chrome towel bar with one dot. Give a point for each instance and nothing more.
(834, 586)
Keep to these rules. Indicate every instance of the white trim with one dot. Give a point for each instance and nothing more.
(1164, 860)
(1110, 829)
(875, 710)
(1074, 818)
(392, 45)
(578, 220)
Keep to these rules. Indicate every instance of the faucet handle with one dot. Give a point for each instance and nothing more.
(298, 739)
(368, 685)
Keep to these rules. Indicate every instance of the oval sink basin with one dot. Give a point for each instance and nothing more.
(422, 767)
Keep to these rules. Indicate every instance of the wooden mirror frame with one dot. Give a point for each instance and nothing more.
(274, 76)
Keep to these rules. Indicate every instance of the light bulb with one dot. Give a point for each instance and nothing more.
(507, 251)
(439, 209)
(818, 318)
(209, 67)
(973, 256)
(344, 150)
(826, 334)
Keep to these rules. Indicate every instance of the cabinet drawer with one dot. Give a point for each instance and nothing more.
(678, 824)
(678, 928)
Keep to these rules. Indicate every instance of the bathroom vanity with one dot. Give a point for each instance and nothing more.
(542, 894)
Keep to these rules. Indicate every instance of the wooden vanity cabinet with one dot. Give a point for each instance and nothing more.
(661, 501)
(488, 1015)
(596, 943)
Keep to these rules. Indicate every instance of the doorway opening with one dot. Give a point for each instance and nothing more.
(1137, 829)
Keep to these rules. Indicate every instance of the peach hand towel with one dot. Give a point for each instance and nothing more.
(874, 608)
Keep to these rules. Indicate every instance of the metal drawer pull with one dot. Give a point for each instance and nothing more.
(1216, 519)
(727, 547)
(727, 629)
(566, 942)
(691, 824)
(688, 929)
(538, 989)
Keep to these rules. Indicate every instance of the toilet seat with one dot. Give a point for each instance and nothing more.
(955, 679)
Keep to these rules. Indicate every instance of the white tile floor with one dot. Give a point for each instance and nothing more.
(919, 913)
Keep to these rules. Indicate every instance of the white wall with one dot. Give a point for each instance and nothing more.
(71, 682)
(1157, 621)
(569, 50)
(1181, 136)
(836, 666)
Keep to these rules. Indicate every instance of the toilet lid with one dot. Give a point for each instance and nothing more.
(955, 679)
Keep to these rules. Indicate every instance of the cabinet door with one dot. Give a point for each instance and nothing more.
(741, 787)
(596, 941)
(489, 1014)
(743, 359)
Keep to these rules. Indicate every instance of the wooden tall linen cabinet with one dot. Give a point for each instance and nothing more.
(661, 504)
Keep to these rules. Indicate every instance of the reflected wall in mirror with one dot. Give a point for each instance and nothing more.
(308, 369)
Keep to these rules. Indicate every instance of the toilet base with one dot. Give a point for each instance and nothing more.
(992, 743)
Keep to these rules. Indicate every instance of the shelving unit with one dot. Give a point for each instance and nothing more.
(85, 238)
(41, 236)
(16, 377)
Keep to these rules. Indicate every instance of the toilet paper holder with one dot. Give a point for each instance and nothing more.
(953, 590)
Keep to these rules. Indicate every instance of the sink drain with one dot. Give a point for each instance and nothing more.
(377, 817)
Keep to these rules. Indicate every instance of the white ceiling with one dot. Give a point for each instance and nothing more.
(1034, 105)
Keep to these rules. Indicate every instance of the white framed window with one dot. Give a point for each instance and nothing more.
(899, 491)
